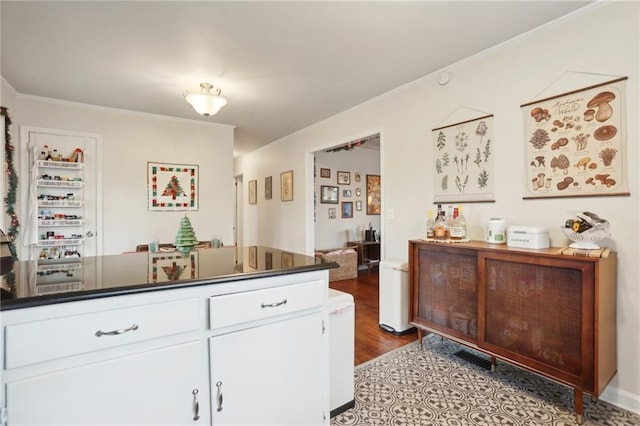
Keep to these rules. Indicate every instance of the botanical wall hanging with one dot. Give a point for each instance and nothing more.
(463, 161)
(576, 143)
(172, 186)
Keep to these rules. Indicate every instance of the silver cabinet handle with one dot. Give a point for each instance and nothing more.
(133, 327)
(273, 305)
(196, 405)
(219, 386)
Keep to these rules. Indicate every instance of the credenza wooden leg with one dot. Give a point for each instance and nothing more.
(420, 337)
(579, 395)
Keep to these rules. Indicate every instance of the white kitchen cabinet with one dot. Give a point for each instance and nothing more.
(269, 374)
(156, 357)
(267, 356)
(151, 388)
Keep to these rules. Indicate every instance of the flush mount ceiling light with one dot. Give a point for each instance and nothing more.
(208, 102)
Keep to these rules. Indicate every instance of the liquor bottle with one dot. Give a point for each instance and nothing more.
(440, 230)
(463, 222)
(455, 229)
(430, 224)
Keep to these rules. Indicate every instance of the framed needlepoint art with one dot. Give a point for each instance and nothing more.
(172, 187)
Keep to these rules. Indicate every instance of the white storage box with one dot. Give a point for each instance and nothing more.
(341, 351)
(530, 237)
(394, 297)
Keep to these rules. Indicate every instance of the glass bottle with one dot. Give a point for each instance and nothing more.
(455, 229)
(440, 230)
(463, 222)
(430, 224)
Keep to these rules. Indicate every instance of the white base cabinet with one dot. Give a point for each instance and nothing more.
(250, 352)
(152, 388)
(269, 375)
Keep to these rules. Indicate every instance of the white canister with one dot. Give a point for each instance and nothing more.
(496, 231)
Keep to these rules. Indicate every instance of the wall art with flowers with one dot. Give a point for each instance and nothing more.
(463, 161)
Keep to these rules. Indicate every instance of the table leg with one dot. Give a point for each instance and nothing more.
(420, 337)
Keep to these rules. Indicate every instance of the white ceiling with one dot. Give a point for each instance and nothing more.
(281, 65)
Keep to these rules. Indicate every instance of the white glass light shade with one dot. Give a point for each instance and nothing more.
(205, 102)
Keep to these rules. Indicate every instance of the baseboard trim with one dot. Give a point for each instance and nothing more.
(620, 398)
(342, 408)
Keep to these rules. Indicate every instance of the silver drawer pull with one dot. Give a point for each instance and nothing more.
(99, 333)
(196, 406)
(219, 386)
(273, 305)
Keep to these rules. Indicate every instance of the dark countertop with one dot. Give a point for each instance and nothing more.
(104, 276)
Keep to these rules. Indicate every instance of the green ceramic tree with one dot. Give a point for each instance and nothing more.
(186, 237)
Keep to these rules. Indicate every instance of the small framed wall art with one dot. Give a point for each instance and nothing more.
(268, 188)
(347, 209)
(253, 192)
(286, 186)
(325, 173)
(344, 178)
(359, 205)
(332, 213)
(172, 187)
(329, 194)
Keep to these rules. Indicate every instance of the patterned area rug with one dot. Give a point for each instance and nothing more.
(432, 386)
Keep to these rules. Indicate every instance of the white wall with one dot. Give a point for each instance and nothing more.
(498, 81)
(331, 233)
(132, 139)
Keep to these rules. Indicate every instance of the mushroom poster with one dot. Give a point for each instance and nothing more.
(463, 161)
(576, 143)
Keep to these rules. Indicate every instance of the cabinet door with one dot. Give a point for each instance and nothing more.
(274, 374)
(540, 312)
(445, 292)
(152, 388)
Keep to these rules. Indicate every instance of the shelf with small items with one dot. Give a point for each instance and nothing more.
(49, 183)
(59, 203)
(46, 268)
(60, 222)
(60, 242)
(59, 164)
(58, 254)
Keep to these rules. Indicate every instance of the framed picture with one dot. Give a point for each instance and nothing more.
(253, 191)
(325, 173)
(373, 195)
(253, 257)
(267, 188)
(286, 260)
(344, 178)
(576, 143)
(268, 260)
(359, 205)
(346, 193)
(172, 187)
(463, 161)
(358, 192)
(357, 176)
(328, 194)
(286, 186)
(347, 209)
(332, 213)
(172, 266)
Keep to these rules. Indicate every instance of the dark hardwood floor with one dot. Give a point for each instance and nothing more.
(371, 340)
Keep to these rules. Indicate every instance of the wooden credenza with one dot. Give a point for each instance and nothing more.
(551, 314)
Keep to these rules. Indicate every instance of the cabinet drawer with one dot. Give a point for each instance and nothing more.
(250, 306)
(44, 340)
